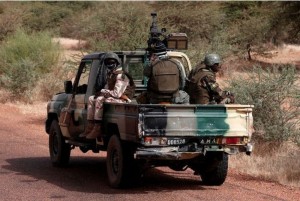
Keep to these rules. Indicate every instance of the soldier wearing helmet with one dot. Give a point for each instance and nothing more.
(119, 88)
(166, 81)
(202, 86)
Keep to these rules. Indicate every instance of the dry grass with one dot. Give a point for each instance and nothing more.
(5, 96)
(271, 162)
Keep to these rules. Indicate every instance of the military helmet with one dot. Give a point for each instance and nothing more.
(111, 60)
(212, 59)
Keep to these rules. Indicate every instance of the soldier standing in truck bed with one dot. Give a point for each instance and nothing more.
(166, 80)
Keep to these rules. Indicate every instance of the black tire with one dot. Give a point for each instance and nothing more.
(215, 171)
(59, 150)
(120, 165)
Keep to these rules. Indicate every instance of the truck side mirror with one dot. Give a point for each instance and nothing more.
(68, 86)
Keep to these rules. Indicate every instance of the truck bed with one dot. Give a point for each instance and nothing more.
(179, 129)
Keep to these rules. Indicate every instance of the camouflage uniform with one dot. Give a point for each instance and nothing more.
(117, 85)
(198, 91)
(119, 88)
(202, 86)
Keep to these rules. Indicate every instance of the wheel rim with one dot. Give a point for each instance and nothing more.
(115, 161)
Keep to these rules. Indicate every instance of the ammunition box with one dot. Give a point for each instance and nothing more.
(178, 41)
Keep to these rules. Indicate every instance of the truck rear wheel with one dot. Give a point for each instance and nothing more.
(120, 164)
(59, 150)
(215, 171)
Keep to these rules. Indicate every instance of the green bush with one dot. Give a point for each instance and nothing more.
(203, 23)
(222, 27)
(273, 92)
(45, 16)
(9, 20)
(126, 29)
(26, 58)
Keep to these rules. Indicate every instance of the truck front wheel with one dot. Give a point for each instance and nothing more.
(215, 169)
(119, 164)
(59, 150)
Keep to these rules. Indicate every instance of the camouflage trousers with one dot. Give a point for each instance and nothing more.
(95, 106)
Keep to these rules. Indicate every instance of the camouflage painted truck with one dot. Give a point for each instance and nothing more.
(141, 136)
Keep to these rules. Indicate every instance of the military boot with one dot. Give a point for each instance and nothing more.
(95, 132)
(88, 129)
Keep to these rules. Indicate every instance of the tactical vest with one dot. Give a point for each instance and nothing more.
(165, 77)
(195, 88)
(199, 73)
(112, 79)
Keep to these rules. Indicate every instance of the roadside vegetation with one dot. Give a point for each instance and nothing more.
(32, 67)
(26, 60)
(275, 95)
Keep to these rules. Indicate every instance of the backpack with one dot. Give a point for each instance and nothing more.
(165, 77)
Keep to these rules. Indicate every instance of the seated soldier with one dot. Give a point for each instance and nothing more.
(119, 88)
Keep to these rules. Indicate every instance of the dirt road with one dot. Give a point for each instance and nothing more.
(27, 174)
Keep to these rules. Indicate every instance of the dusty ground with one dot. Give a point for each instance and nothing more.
(70, 44)
(281, 55)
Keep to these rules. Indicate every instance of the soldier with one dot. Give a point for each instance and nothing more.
(202, 86)
(165, 78)
(119, 88)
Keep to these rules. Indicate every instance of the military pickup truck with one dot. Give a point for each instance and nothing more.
(137, 137)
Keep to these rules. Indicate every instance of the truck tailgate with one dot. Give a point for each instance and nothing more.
(197, 120)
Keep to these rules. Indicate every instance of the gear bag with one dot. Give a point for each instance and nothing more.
(165, 77)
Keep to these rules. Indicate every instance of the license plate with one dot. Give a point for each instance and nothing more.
(175, 141)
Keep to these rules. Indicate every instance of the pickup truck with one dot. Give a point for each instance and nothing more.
(137, 137)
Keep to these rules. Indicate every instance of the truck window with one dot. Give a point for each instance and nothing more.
(136, 70)
(84, 77)
(134, 66)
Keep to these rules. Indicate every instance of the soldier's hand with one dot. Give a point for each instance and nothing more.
(106, 95)
(231, 97)
(97, 94)
(228, 93)
(228, 97)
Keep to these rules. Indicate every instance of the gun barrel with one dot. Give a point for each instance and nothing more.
(154, 28)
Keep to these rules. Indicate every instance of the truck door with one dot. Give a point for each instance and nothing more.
(82, 90)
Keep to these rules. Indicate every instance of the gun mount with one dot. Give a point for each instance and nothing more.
(173, 41)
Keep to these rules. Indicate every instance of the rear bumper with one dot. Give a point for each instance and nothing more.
(190, 152)
(165, 153)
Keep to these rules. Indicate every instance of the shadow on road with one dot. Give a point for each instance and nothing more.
(88, 174)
